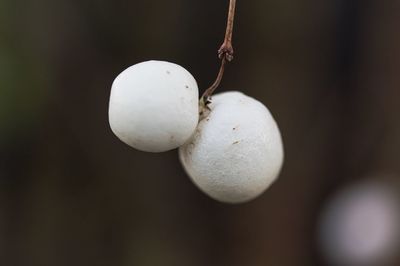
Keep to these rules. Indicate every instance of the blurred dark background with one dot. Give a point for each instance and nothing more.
(71, 193)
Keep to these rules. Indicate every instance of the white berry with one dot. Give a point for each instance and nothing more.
(154, 106)
(360, 224)
(236, 152)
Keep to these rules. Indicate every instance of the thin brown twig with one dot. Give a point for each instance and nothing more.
(225, 53)
(207, 94)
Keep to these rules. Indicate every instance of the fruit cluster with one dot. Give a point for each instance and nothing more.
(231, 148)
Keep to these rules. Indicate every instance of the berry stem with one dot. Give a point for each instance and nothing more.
(225, 53)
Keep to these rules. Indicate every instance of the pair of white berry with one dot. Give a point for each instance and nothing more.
(232, 153)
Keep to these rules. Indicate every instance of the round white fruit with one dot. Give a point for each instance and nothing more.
(236, 152)
(360, 224)
(154, 106)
